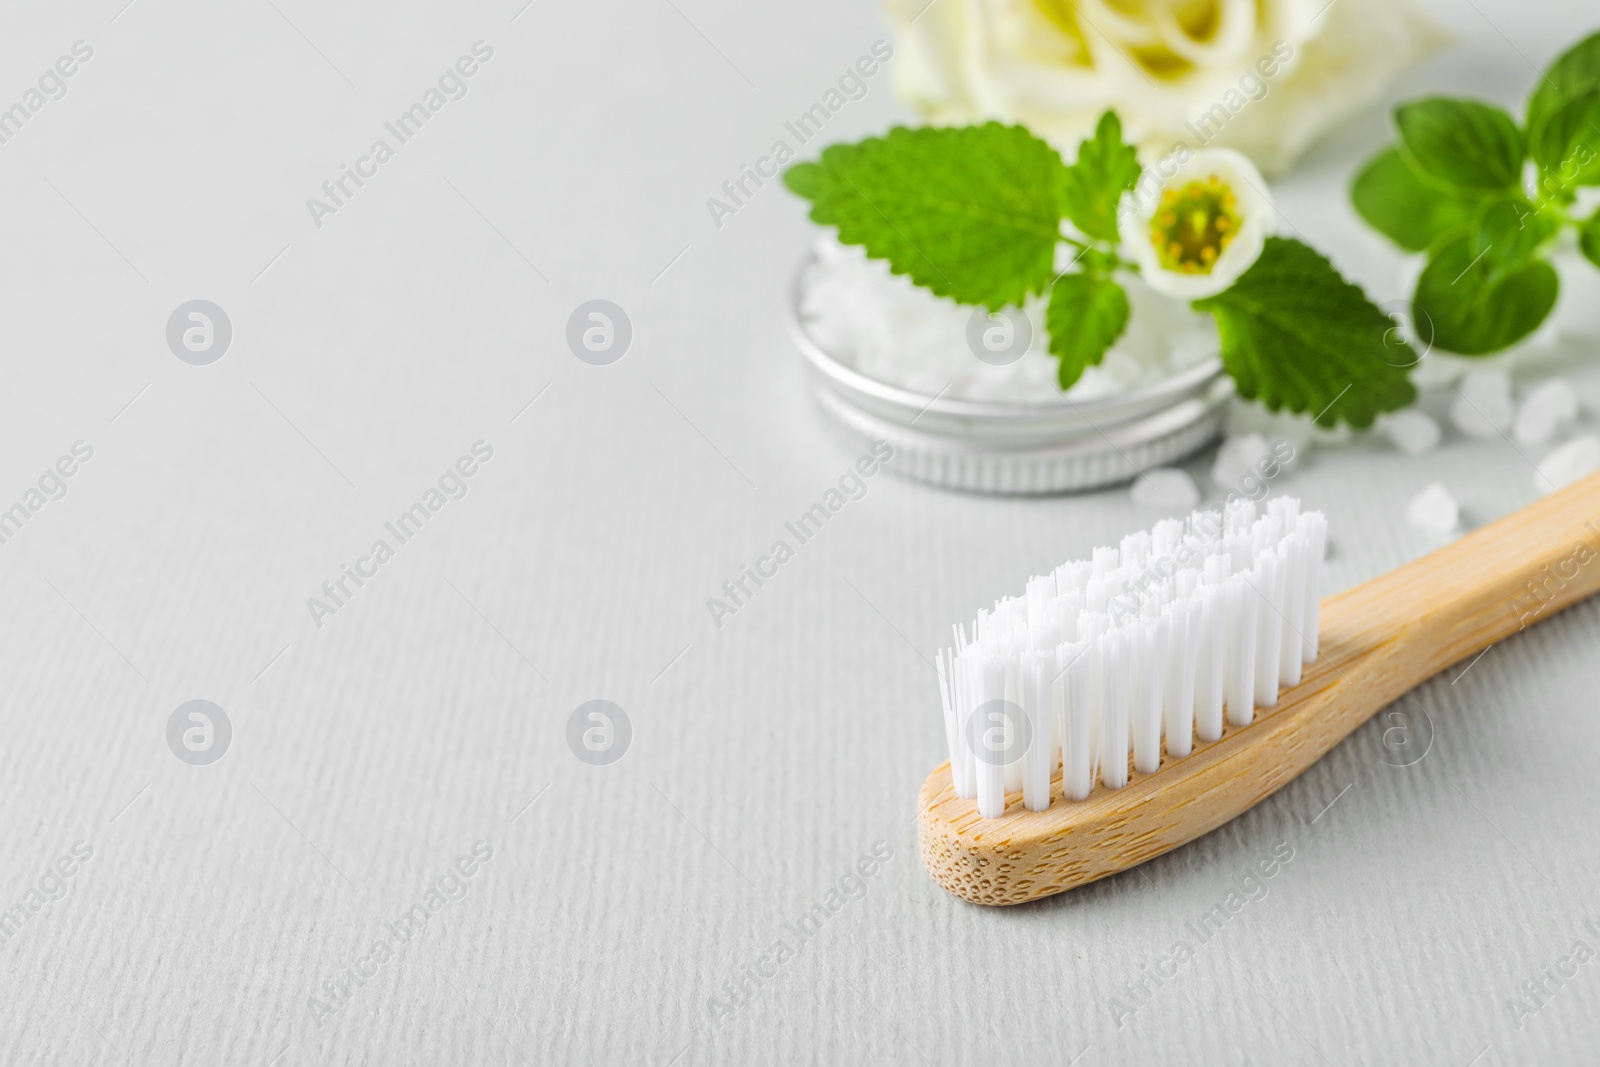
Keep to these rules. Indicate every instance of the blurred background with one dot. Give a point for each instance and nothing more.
(627, 892)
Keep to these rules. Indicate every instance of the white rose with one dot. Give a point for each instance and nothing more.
(1263, 76)
(1194, 233)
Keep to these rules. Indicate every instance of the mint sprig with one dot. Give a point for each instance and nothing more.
(1472, 308)
(1566, 144)
(1589, 239)
(1575, 71)
(1296, 335)
(1507, 234)
(970, 212)
(1461, 144)
(1092, 187)
(1453, 187)
(1087, 313)
(975, 214)
(1394, 200)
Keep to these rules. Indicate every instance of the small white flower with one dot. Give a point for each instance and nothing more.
(1193, 234)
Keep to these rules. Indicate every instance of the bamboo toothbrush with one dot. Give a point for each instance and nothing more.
(1128, 704)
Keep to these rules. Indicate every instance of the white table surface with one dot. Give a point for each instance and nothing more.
(767, 755)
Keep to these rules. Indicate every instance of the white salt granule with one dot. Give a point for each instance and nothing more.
(1483, 407)
(1167, 488)
(1548, 406)
(1238, 457)
(1248, 416)
(1435, 370)
(1413, 432)
(1573, 460)
(1434, 510)
(888, 328)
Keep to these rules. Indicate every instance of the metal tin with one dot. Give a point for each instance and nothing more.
(986, 446)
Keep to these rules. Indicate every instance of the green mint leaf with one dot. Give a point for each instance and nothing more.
(970, 212)
(1575, 71)
(1393, 200)
(1470, 310)
(1589, 239)
(1507, 233)
(1461, 143)
(1296, 335)
(1087, 314)
(1092, 186)
(1566, 143)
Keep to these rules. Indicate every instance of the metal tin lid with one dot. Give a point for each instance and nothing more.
(987, 446)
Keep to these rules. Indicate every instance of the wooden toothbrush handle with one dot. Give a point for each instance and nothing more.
(1487, 585)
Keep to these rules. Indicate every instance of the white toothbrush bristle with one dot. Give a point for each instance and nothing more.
(1135, 653)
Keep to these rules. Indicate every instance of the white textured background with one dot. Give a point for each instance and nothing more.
(766, 756)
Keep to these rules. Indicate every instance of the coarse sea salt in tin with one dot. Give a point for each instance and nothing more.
(970, 401)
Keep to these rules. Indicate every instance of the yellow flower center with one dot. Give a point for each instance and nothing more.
(1194, 224)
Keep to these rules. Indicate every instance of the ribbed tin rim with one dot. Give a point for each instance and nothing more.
(1114, 456)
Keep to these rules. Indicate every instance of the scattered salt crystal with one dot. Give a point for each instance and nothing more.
(1534, 427)
(1331, 436)
(1434, 510)
(1434, 369)
(1546, 407)
(1237, 458)
(1413, 432)
(1563, 399)
(1567, 464)
(1248, 416)
(1483, 406)
(1486, 383)
(1165, 487)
